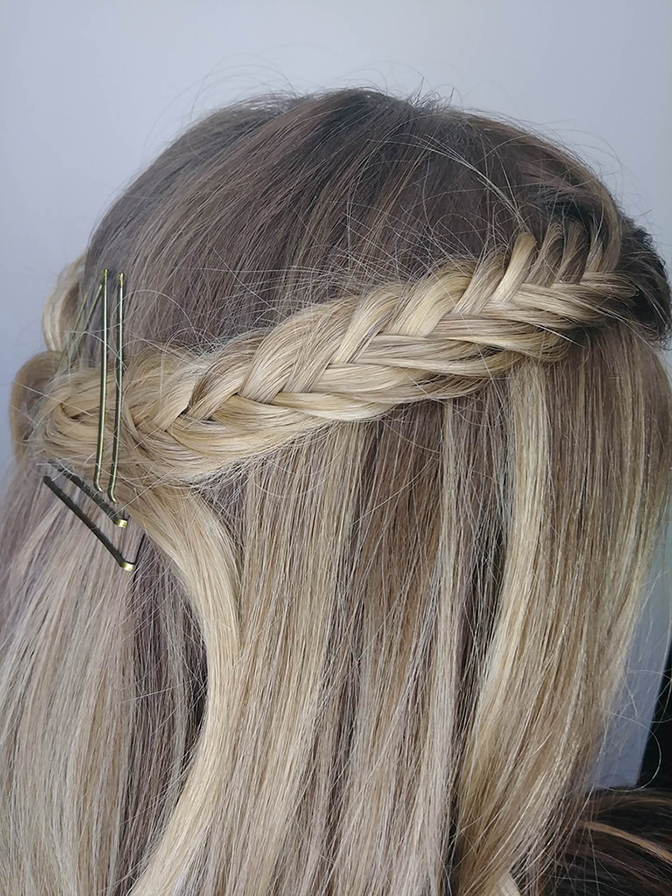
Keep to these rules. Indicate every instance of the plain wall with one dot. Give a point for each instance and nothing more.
(92, 90)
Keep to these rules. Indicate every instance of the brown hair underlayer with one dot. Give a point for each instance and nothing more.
(396, 447)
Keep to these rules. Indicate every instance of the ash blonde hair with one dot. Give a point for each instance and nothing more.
(396, 448)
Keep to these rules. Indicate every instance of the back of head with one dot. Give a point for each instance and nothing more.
(395, 450)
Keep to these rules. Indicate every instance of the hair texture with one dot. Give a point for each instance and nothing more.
(395, 448)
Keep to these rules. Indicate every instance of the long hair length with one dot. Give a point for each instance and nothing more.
(395, 448)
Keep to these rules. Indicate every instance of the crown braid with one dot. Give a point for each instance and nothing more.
(187, 416)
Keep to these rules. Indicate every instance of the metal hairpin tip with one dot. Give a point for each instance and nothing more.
(79, 513)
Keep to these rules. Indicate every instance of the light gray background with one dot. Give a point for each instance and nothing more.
(92, 90)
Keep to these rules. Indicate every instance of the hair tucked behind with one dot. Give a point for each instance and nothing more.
(395, 448)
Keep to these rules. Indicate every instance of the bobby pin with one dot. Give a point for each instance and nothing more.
(70, 353)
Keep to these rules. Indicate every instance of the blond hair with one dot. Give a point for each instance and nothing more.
(396, 484)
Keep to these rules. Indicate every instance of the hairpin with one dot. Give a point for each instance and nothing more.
(69, 354)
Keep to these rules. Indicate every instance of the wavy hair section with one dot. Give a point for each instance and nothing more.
(396, 450)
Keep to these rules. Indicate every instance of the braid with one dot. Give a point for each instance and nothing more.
(187, 416)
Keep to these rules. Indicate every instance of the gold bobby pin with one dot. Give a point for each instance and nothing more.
(71, 352)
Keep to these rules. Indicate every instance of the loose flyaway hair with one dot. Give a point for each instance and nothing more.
(394, 451)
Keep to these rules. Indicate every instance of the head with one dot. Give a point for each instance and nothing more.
(395, 450)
